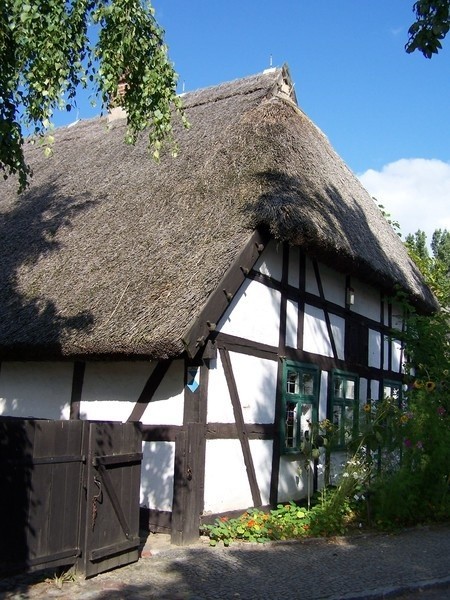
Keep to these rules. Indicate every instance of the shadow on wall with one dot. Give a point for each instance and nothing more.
(15, 475)
(157, 475)
(29, 324)
(27, 233)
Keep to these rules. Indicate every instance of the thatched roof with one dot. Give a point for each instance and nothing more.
(109, 253)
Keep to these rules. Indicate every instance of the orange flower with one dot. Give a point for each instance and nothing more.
(223, 519)
(251, 523)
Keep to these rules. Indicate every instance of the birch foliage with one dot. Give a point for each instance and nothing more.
(47, 51)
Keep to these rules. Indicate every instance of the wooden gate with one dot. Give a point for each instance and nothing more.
(113, 481)
(70, 494)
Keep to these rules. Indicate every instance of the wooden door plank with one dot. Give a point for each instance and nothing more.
(112, 511)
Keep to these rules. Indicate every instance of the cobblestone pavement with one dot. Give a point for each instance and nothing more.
(364, 567)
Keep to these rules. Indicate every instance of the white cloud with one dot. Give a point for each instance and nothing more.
(415, 191)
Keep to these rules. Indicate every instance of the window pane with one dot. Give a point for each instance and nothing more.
(392, 391)
(307, 384)
(305, 420)
(348, 423)
(350, 391)
(292, 382)
(338, 387)
(291, 425)
(337, 417)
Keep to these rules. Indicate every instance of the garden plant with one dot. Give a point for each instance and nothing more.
(397, 472)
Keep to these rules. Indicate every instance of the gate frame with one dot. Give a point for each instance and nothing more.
(52, 467)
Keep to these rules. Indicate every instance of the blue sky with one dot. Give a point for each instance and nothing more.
(385, 112)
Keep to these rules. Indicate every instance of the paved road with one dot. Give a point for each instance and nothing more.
(356, 567)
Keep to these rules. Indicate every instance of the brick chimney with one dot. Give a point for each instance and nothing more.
(116, 111)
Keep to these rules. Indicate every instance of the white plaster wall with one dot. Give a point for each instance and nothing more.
(374, 389)
(226, 482)
(311, 281)
(338, 460)
(338, 329)
(219, 409)
(256, 380)
(291, 323)
(111, 389)
(294, 267)
(374, 349)
(270, 262)
(397, 317)
(167, 404)
(396, 351)
(333, 284)
(367, 300)
(315, 333)
(363, 395)
(157, 471)
(36, 389)
(291, 484)
(397, 356)
(386, 344)
(262, 451)
(254, 314)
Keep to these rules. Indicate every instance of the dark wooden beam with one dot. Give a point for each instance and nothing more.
(248, 347)
(301, 300)
(157, 521)
(77, 388)
(156, 376)
(190, 452)
(159, 433)
(276, 447)
(218, 301)
(227, 431)
(240, 426)
(326, 313)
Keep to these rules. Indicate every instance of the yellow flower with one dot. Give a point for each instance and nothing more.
(430, 386)
(367, 408)
(418, 384)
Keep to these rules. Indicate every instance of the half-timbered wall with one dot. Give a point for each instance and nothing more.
(294, 308)
(213, 426)
(107, 391)
(35, 389)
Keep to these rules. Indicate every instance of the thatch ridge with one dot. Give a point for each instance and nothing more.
(111, 254)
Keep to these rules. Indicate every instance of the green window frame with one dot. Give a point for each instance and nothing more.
(344, 406)
(300, 404)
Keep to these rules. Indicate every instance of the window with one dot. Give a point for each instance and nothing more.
(393, 389)
(300, 404)
(344, 406)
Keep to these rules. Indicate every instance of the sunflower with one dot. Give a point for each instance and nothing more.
(430, 386)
